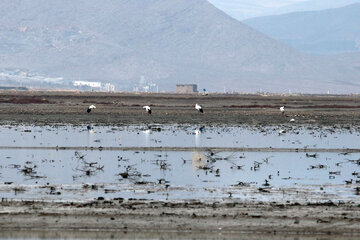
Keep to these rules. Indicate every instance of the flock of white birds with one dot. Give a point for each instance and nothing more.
(148, 108)
(197, 107)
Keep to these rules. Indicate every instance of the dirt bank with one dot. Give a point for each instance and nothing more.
(125, 108)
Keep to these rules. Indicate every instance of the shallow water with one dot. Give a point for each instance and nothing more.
(88, 174)
(171, 175)
(180, 136)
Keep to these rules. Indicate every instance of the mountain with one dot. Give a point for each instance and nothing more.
(245, 9)
(314, 5)
(167, 42)
(320, 32)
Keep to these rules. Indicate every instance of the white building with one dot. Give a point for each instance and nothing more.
(87, 84)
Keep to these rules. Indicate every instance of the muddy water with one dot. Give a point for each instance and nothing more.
(177, 175)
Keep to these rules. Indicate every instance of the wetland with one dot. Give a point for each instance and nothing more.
(241, 166)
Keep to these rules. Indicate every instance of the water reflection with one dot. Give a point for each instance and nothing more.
(179, 136)
(197, 138)
(146, 134)
(68, 174)
(88, 173)
(91, 137)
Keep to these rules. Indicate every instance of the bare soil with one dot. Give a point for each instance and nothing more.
(219, 109)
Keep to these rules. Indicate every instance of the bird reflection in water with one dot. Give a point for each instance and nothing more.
(197, 134)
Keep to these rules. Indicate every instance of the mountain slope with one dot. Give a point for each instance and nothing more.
(246, 9)
(327, 31)
(168, 42)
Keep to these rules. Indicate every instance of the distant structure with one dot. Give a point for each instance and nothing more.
(146, 86)
(98, 86)
(186, 88)
(87, 84)
(109, 87)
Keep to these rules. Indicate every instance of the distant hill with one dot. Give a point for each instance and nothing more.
(246, 9)
(167, 42)
(320, 32)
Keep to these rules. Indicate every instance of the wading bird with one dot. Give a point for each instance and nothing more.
(199, 108)
(282, 110)
(90, 107)
(148, 109)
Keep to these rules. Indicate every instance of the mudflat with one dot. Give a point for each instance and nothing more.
(219, 109)
(226, 217)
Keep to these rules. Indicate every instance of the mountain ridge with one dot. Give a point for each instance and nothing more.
(246, 9)
(181, 41)
(324, 31)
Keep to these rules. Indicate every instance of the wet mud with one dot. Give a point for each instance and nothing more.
(124, 108)
(228, 217)
(240, 167)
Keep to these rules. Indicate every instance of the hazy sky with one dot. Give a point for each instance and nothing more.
(242, 9)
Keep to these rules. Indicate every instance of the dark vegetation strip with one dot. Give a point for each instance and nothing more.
(25, 100)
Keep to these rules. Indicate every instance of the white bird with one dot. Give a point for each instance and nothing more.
(148, 109)
(199, 108)
(282, 109)
(90, 107)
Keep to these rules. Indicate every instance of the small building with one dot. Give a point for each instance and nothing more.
(186, 88)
